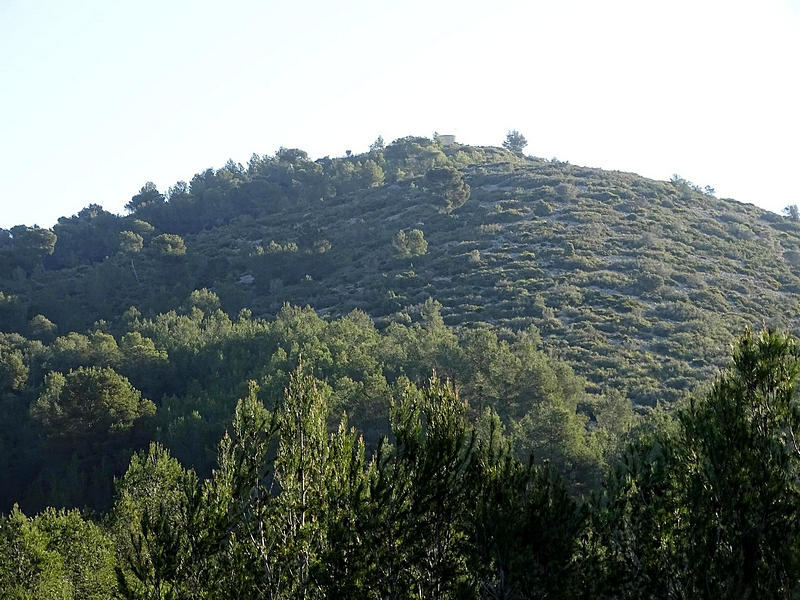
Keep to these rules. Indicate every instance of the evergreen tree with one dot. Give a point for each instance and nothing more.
(705, 506)
(515, 142)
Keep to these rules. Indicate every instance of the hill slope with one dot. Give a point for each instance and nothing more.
(639, 284)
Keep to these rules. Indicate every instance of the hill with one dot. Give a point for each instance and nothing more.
(563, 302)
(640, 285)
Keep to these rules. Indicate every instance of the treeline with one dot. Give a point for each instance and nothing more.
(700, 505)
(74, 407)
(266, 185)
(96, 264)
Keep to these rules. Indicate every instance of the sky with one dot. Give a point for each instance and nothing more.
(99, 97)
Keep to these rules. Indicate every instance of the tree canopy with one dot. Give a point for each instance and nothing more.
(515, 141)
(89, 402)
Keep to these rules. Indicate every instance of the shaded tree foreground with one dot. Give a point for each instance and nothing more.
(295, 512)
(701, 504)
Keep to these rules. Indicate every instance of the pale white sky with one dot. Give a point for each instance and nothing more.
(98, 97)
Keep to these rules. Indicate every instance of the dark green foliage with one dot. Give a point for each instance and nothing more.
(448, 186)
(90, 237)
(55, 555)
(29, 246)
(295, 512)
(89, 402)
(12, 312)
(700, 505)
(13, 370)
(421, 497)
(285, 228)
(168, 244)
(130, 242)
(148, 196)
(412, 157)
(289, 229)
(742, 461)
(515, 141)
(34, 241)
(409, 245)
(42, 328)
(525, 530)
(568, 301)
(194, 363)
(29, 569)
(707, 506)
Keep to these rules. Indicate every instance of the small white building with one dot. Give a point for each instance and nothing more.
(446, 139)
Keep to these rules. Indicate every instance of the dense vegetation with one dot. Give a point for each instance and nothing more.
(703, 505)
(641, 285)
(503, 389)
(74, 409)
